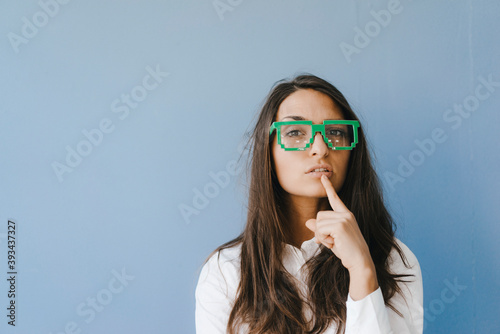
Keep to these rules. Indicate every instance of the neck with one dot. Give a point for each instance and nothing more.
(300, 210)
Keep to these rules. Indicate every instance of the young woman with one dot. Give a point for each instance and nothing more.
(318, 253)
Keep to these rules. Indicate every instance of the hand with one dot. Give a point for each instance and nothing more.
(339, 231)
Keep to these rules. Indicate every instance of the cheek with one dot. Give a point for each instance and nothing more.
(279, 161)
(341, 164)
(283, 164)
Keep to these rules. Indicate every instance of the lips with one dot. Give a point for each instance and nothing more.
(319, 170)
(320, 167)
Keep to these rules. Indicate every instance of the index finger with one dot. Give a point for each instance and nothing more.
(334, 199)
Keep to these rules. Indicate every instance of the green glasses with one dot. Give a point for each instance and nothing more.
(299, 135)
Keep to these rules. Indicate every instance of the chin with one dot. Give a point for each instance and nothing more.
(309, 191)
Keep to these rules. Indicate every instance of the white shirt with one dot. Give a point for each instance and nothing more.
(218, 282)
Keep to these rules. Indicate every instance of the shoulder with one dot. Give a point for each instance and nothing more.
(225, 260)
(397, 262)
(221, 271)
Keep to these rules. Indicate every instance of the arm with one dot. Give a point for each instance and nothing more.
(214, 295)
(370, 315)
(411, 306)
(338, 230)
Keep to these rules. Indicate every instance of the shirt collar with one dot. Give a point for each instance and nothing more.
(309, 248)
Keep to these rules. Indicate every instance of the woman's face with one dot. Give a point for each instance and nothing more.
(292, 167)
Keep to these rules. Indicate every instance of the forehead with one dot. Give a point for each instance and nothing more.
(308, 104)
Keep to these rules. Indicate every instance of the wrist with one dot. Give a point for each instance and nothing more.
(362, 281)
(363, 267)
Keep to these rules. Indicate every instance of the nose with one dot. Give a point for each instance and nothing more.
(319, 147)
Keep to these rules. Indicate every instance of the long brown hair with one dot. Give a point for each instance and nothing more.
(267, 300)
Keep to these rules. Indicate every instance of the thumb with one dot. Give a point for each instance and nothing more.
(311, 224)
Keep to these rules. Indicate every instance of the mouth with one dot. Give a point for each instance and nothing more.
(320, 170)
(318, 173)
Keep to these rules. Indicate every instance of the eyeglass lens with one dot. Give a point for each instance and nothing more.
(299, 135)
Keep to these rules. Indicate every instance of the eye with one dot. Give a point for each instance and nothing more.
(336, 133)
(294, 133)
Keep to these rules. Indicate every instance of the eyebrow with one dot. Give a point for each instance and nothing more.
(297, 118)
(300, 118)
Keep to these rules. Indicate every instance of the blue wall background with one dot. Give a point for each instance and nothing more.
(69, 67)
